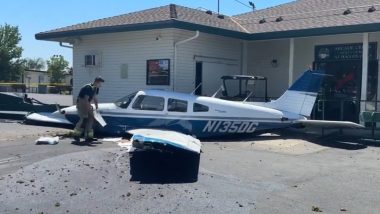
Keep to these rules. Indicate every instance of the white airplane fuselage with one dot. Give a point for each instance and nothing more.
(196, 115)
(201, 116)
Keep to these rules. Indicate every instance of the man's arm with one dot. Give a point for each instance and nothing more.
(96, 101)
(88, 103)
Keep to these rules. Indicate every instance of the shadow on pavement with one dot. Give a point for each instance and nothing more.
(85, 143)
(334, 141)
(164, 167)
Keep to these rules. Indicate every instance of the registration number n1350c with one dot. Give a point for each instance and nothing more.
(230, 126)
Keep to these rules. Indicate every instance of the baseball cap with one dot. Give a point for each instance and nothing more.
(99, 79)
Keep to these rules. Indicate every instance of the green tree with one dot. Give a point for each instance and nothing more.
(35, 64)
(56, 68)
(11, 66)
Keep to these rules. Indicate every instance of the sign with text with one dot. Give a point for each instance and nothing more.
(344, 52)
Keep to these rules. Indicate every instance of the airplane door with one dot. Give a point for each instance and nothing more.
(209, 73)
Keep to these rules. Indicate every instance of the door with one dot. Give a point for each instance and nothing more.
(209, 74)
(198, 78)
(341, 90)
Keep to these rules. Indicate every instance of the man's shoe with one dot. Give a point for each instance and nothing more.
(89, 139)
(77, 138)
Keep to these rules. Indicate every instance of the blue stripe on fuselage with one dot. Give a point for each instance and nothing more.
(199, 128)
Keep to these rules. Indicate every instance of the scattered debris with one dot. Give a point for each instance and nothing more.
(114, 140)
(125, 144)
(316, 209)
(47, 140)
(20, 182)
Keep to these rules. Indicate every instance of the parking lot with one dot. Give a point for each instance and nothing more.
(289, 173)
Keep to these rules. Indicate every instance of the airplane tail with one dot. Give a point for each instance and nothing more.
(301, 96)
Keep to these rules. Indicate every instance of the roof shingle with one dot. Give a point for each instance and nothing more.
(308, 14)
(297, 16)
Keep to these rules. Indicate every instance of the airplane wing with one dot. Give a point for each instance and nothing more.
(330, 124)
(154, 138)
(48, 118)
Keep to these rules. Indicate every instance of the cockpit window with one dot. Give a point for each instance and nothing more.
(125, 101)
(150, 103)
(200, 108)
(175, 105)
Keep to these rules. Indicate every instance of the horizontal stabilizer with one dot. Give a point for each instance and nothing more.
(330, 124)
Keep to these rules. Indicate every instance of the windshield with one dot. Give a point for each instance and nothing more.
(125, 101)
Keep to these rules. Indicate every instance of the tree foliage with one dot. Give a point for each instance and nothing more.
(11, 66)
(57, 67)
(35, 64)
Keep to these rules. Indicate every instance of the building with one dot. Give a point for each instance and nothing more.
(37, 81)
(176, 48)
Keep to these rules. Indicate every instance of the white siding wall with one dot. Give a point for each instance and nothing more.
(135, 48)
(131, 48)
(216, 48)
(260, 56)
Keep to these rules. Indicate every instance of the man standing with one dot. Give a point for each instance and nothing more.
(87, 94)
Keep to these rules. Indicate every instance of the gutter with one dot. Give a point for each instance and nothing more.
(65, 46)
(175, 53)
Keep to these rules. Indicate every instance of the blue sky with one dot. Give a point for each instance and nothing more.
(41, 15)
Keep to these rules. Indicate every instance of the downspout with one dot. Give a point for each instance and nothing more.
(65, 46)
(175, 53)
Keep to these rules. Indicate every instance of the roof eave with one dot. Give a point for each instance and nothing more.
(173, 23)
(102, 30)
(349, 29)
(211, 30)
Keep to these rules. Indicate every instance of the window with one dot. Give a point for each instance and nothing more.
(89, 60)
(150, 103)
(175, 105)
(125, 101)
(158, 72)
(199, 108)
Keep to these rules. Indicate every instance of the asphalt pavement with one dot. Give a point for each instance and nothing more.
(290, 173)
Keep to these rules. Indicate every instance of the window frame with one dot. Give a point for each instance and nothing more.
(208, 108)
(92, 60)
(175, 99)
(141, 109)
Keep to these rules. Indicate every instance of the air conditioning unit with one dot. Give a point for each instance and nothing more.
(92, 60)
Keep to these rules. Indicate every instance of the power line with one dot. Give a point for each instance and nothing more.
(242, 3)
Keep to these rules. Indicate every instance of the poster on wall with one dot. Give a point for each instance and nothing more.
(158, 72)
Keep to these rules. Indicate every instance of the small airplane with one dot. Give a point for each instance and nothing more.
(204, 117)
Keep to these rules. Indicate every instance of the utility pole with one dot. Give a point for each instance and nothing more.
(218, 5)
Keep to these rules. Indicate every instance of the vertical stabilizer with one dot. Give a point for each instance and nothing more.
(301, 96)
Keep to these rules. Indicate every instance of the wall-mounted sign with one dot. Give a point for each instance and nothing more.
(344, 52)
(158, 72)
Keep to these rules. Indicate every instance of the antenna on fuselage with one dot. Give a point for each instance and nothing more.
(199, 85)
(250, 94)
(220, 88)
